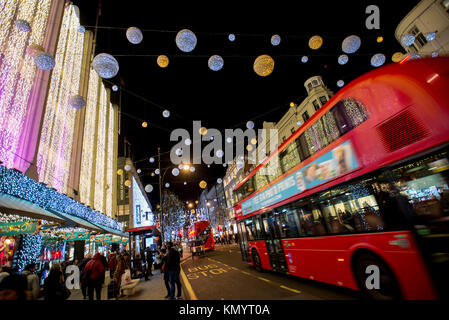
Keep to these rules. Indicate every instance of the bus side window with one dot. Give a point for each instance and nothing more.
(249, 228)
(312, 219)
(289, 223)
(260, 233)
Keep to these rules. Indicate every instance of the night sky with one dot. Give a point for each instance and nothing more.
(230, 97)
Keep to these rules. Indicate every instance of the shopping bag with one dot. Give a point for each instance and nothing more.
(126, 277)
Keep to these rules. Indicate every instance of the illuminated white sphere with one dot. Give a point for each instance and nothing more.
(139, 171)
(167, 185)
(208, 165)
(188, 142)
(430, 36)
(215, 62)
(343, 59)
(212, 138)
(157, 171)
(23, 25)
(114, 88)
(250, 125)
(304, 59)
(219, 153)
(340, 83)
(77, 101)
(134, 35)
(231, 37)
(81, 29)
(239, 164)
(105, 65)
(224, 164)
(166, 114)
(298, 123)
(275, 40)
(229, 140)
(408, 39)
(128, 167)
(175, 172)
(148, 188)
(186, 40)
(151, 159)
(185, 182)
(180, 166)
(178, 152)
(263, 65)
(219, 180)
(351, 44)
(377, 60)
(44, 61)
(434, 54)
(192, 169)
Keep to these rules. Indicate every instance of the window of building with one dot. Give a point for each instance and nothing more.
(445, 4)
(315, 83)
(316, 105)
(309, 85)
(305, 116)
(292, 130)
(323, 100)
(284, 138)
(420, 39)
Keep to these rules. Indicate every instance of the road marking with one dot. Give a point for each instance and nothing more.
(263, 279)
(290, 289)
(188, 286)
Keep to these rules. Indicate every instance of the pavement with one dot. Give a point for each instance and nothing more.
(152, 289)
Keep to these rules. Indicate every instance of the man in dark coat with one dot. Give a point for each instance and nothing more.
(174, 268)
(84, 281)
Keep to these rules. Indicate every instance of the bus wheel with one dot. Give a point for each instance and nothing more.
(388, 288)
(256, 260)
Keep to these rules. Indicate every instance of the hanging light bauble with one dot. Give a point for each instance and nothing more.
(408, 39)
(315, 42)
(351, 44)
(396, 57)
(219, 180)
(23, 25)
(77, 101)
(240, 164)
(343, 59)
(192, 169)
(33, 49)
(81, 29)
(380, 39)
(188, 142)
(157, 171)
(175, 172)
(105, 65)
(203, 131)
(430, 36)
(185, 182)
(304, 59)
(151, 159)
(144, 124)
(134, 35)
(44, 61)
(186, 40)
(178, 152)
(253, 141)
(180, 166)
(340, 83)
(275, 40)
(203, 184)
(231, 37)
(119, 172)
(167, 185)
(250, 125)
(249, 147)
(229, 140)
(127, 183)
(114, 88)
(377, 60)
(219, 153)
(127, 167)
(148, 188)
(215, 62)
(162, 61)
(139, 171)
(166, 113)
(224, 164)
(263, 65)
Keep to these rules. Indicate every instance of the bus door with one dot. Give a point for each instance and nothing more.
(273, 241)
(244, 246)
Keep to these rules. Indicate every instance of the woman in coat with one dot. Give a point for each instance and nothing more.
(55, 288)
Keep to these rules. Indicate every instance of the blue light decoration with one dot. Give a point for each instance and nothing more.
(343, 59)
(231, 37)
(434, 54)
(215, 62)
(105, 65)
(351, 44)
(430, 36)
(408, 39)
(14, 183)
(186, 40)
(275, 40)
(377, 60)
(340, 83)
(304, 59)
(29, 250)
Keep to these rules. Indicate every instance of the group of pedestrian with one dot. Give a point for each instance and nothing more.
(169, 259)
(228, 239)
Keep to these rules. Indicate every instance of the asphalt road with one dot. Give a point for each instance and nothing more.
(222, 275)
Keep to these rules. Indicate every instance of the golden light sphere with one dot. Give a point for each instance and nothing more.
(152, 174)
(380, 39)
(203, 131)
(249, 147)
(397, 57)
(203, 184)
(253, 140)
(162, 61)
(120, 172)
(127, 183)
(192, 211)
(144, 124)
(315, 42)
(263, 65)
(292, 104)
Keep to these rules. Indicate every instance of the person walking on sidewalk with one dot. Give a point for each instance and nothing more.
(94, 274)
(33, 280)
(174, 267)
(122, 265)
(112, 263)
(164, 270)
(83, 280)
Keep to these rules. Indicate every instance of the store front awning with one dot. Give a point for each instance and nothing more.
(77, 221)
(112, 231)
(13, 205)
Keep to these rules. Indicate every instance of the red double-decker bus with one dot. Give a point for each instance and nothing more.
(364, 182)
(203, 235)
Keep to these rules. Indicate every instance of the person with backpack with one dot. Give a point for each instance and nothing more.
(33, 281)
(94, 275)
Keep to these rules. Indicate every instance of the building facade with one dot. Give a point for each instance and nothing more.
(427, 17)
